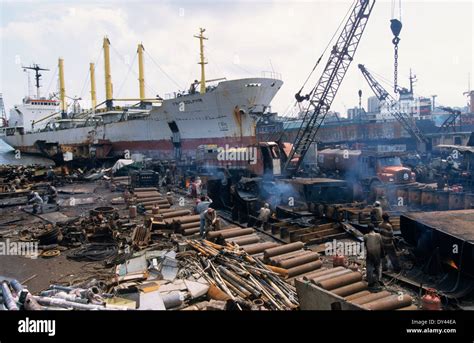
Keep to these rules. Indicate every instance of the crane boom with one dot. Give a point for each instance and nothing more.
(450, 122)
(383, 96)
(323, 93)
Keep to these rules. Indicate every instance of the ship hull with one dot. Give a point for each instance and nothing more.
(225, 115)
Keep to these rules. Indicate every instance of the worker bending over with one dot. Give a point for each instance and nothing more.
(211, 222)
(37, 202)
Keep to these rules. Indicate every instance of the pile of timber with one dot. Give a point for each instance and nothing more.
(349, 284)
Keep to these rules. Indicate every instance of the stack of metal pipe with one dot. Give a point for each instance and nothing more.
(235, 235)
(178, 220)
(149, 197)
(235, 275)
(349, 284)
(16, 297)
(293, 258)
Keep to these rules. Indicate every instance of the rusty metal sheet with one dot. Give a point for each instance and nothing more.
(457, 223)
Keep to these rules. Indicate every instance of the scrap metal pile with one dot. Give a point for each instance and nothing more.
(201, 276)
(233, 274)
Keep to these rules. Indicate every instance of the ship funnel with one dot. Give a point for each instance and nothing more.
(108, 77)
(141, 71)
(62, 89)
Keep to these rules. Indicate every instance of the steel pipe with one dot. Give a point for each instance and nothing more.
(408, 308)
(190, 225)
(371, 297)
(282, 249)
(191, 231)
(304, 268)
(183, 219)
(340, 281)
(321, 272)
(8, 299)
(244, 240)
(356, 295)
(350, 289)
(16, 285)
(330, 275)
(259, 247)
(229, 233)
(277, 259)
(299, 260)
(179, 213)
(392, 302)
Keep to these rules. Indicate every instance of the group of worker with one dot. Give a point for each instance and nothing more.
(380, 246)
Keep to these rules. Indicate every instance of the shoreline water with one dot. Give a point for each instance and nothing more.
(8, 156)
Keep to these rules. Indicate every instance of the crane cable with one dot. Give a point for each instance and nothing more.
(396, 27)
(298, 96)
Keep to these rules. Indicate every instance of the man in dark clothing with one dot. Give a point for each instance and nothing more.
(374, 252)
(441, 182)
(386, 232)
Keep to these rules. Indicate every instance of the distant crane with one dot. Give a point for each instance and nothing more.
(3, 114)
(450, 122)
(322, 95)
(401, 117)
(433, 102)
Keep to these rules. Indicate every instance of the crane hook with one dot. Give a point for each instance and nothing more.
(396, 27)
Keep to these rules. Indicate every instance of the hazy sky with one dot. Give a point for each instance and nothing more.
(245, 38)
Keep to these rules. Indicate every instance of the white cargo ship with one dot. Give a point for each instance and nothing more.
(225, 112)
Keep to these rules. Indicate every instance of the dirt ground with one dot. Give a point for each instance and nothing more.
(45, 271)
(49, 270)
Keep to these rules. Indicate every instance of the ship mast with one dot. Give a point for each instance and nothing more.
(108, 77)
(93, 93)
(37, 69)
(202, 61)
(141, 72)
(62, 89)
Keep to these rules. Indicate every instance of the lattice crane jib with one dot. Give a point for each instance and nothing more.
(322, 95)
